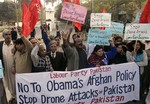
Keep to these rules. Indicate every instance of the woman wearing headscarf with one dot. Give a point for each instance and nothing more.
(137, 54)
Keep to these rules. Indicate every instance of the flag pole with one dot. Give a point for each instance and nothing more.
(66, 25)
(92, 6)
(26, 12)
(16, 13)
(45, 12)
(24, 15)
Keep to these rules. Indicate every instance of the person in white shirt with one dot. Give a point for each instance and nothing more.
(6, 56)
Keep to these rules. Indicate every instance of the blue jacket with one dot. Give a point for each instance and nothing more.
(46, 40)
(95, 60)
(111, 54)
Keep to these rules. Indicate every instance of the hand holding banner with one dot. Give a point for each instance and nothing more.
(100, 85)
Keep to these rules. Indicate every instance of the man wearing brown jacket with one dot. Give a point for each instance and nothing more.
(22, 58)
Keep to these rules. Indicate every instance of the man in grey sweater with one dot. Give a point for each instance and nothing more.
(75, 54)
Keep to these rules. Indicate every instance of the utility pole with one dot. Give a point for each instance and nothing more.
(45, 11)
(92, 6)
(16, 12)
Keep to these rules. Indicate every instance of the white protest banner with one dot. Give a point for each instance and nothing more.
(73, 12)
(137, 32)
(100, 85)
(116, 28)
(1, 70)
(100, 19)
(99, 37)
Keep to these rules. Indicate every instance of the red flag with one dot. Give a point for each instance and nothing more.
(67, 0)
(103, 11)
(34, 6)
(102, 28)
(145, 16)
(24, 9)
(77, 2)
(25, 18)
(77, 25)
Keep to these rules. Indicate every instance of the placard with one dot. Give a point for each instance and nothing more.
(100, 19)
(116, 28)
(137, 32)
(73, 12)
(99, 37)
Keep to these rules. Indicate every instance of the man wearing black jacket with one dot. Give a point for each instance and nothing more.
(58, 59)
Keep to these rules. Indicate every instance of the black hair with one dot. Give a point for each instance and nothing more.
(118, 37)
(96, 48)
(147, 41)
(74, 35)
(131, 48)
(124, 47)
(118, 44)
(57, 37)
(19, 41)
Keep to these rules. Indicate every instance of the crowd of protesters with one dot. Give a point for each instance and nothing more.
(20, 55)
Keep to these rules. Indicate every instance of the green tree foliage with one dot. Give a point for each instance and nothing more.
(19, 2)
(131, 7)
(7, 12)
(19, 8)
(58, 11)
